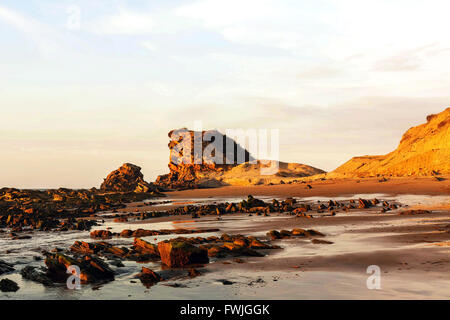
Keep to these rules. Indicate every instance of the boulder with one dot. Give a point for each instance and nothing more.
(145, 247)
(180, 254)
(7, 285)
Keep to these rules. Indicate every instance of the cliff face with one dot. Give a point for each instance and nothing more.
(423, 150)
(191, 169)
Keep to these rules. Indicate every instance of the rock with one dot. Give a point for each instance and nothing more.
(299, 210)
(30, 273)
(84, 247)
(145, 247)
(187, 174)
(290, 201)
(148, 277)
(193, 273)
(128, 178)
(314, 233)
(180, 254)
(101, 234)
(364, 204)
(7, 285)
(252, 202)
(256, 244)
(274, 235)
(319, 241)
(117, 263)
(5, 267)
(413, 212)
(295, 232)
(91, 269)
(126, 233)
(226, 282)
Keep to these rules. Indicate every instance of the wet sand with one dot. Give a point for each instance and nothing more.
(328, 188)
(413, 252)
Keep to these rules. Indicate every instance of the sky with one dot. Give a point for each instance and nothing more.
(88, 85)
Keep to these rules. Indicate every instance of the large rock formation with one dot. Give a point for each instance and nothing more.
(423, 150)
(219, 160)
(189, 164)
(128, 178)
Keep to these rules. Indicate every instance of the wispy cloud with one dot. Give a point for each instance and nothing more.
(43, 37)
(126, 22)
(407, 60)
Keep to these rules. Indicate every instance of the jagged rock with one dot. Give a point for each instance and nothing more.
(148, 277)
(364, 204)
(91, 269)
(128, 178)
(30, 273)
(145, 247)
(204, 168)
(187, 169)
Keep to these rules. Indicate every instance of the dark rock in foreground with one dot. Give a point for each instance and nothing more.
(32, 274)
(7, 285)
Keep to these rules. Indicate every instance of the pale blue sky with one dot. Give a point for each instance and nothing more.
(338, 78)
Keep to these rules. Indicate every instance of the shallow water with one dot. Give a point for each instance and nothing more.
(246, 285)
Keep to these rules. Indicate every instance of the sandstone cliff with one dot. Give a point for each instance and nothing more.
(423, 150)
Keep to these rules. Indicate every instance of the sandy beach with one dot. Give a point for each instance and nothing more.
(330, 188)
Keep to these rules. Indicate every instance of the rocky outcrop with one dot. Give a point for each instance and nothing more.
(210, 159)
(191, 156)
(128, 178)
(423, 151)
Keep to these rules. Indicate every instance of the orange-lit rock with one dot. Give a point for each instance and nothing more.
(423, 151)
